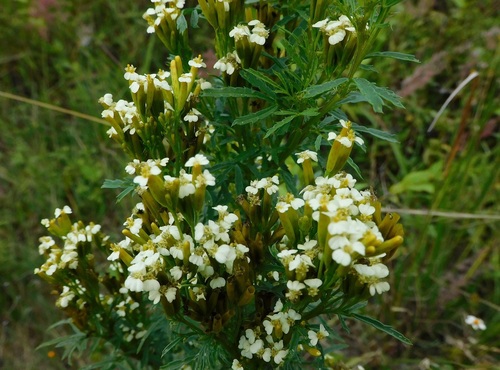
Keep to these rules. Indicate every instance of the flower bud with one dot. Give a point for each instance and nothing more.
(247, 296)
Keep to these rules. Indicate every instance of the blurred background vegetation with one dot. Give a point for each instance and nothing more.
(446, 181)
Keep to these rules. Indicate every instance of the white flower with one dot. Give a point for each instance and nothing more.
(133, 284)
(475, 322)
(321, 24)
(236, 365)
(45, 243)
(226, 254)
(336, 37)
(66, 296)
(192, 115)
(335, 30)
(250, 344)
(313, 285)
(197, 62)
(252, 188)
(134, 225)
(150, 285)
(186, 187)
(259, 32)
(278, 352)
(147, 169)
(171, 294)
(239, 32)
(270, 184)
(186, 77)
(217, 282)
(197, 160)
(66, 210)
(372, 276)
(176, 273)
(314, 337)
(307, 154)
(294, 289)
(115, 255)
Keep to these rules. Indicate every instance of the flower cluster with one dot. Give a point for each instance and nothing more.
(162, 20)
(163, 103)
(233, 237)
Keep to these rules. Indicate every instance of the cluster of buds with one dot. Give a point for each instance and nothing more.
(222, 16)
(162, 20)
(163, 106)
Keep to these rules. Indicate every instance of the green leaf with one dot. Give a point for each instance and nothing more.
(316, 90)
(127, 184)
(238, 179)
(343, 324)
(177, 339)
(233, 92)
(355, 167)
(387, 136)
(261, 81)
(419, 181)
(181, 24)
(309, 112)
(317, 142)
(369, 91)
(278, 125)
(376, 95)
(177, 364)
(254, 117)
(116, 184)
(390, 3)
(194, 19)
(394, 55)
(380, 326)
(368, 68)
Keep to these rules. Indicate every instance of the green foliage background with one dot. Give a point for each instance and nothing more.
(70, 53)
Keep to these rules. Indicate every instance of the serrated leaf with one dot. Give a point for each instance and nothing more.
(369, 91)
(181, 24)
(353, 97)
(193, 22)
(233, 92)
(390, 96)
(394, 55)
(116, 184)
(316, 90)
(309, 112)
(376, 95)
(124, 193)
(317, 142)
(278, 125)
(387, 136)
(127, 184)
(383, 327)
(254, 117)
(368, 68)
(261, 81)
